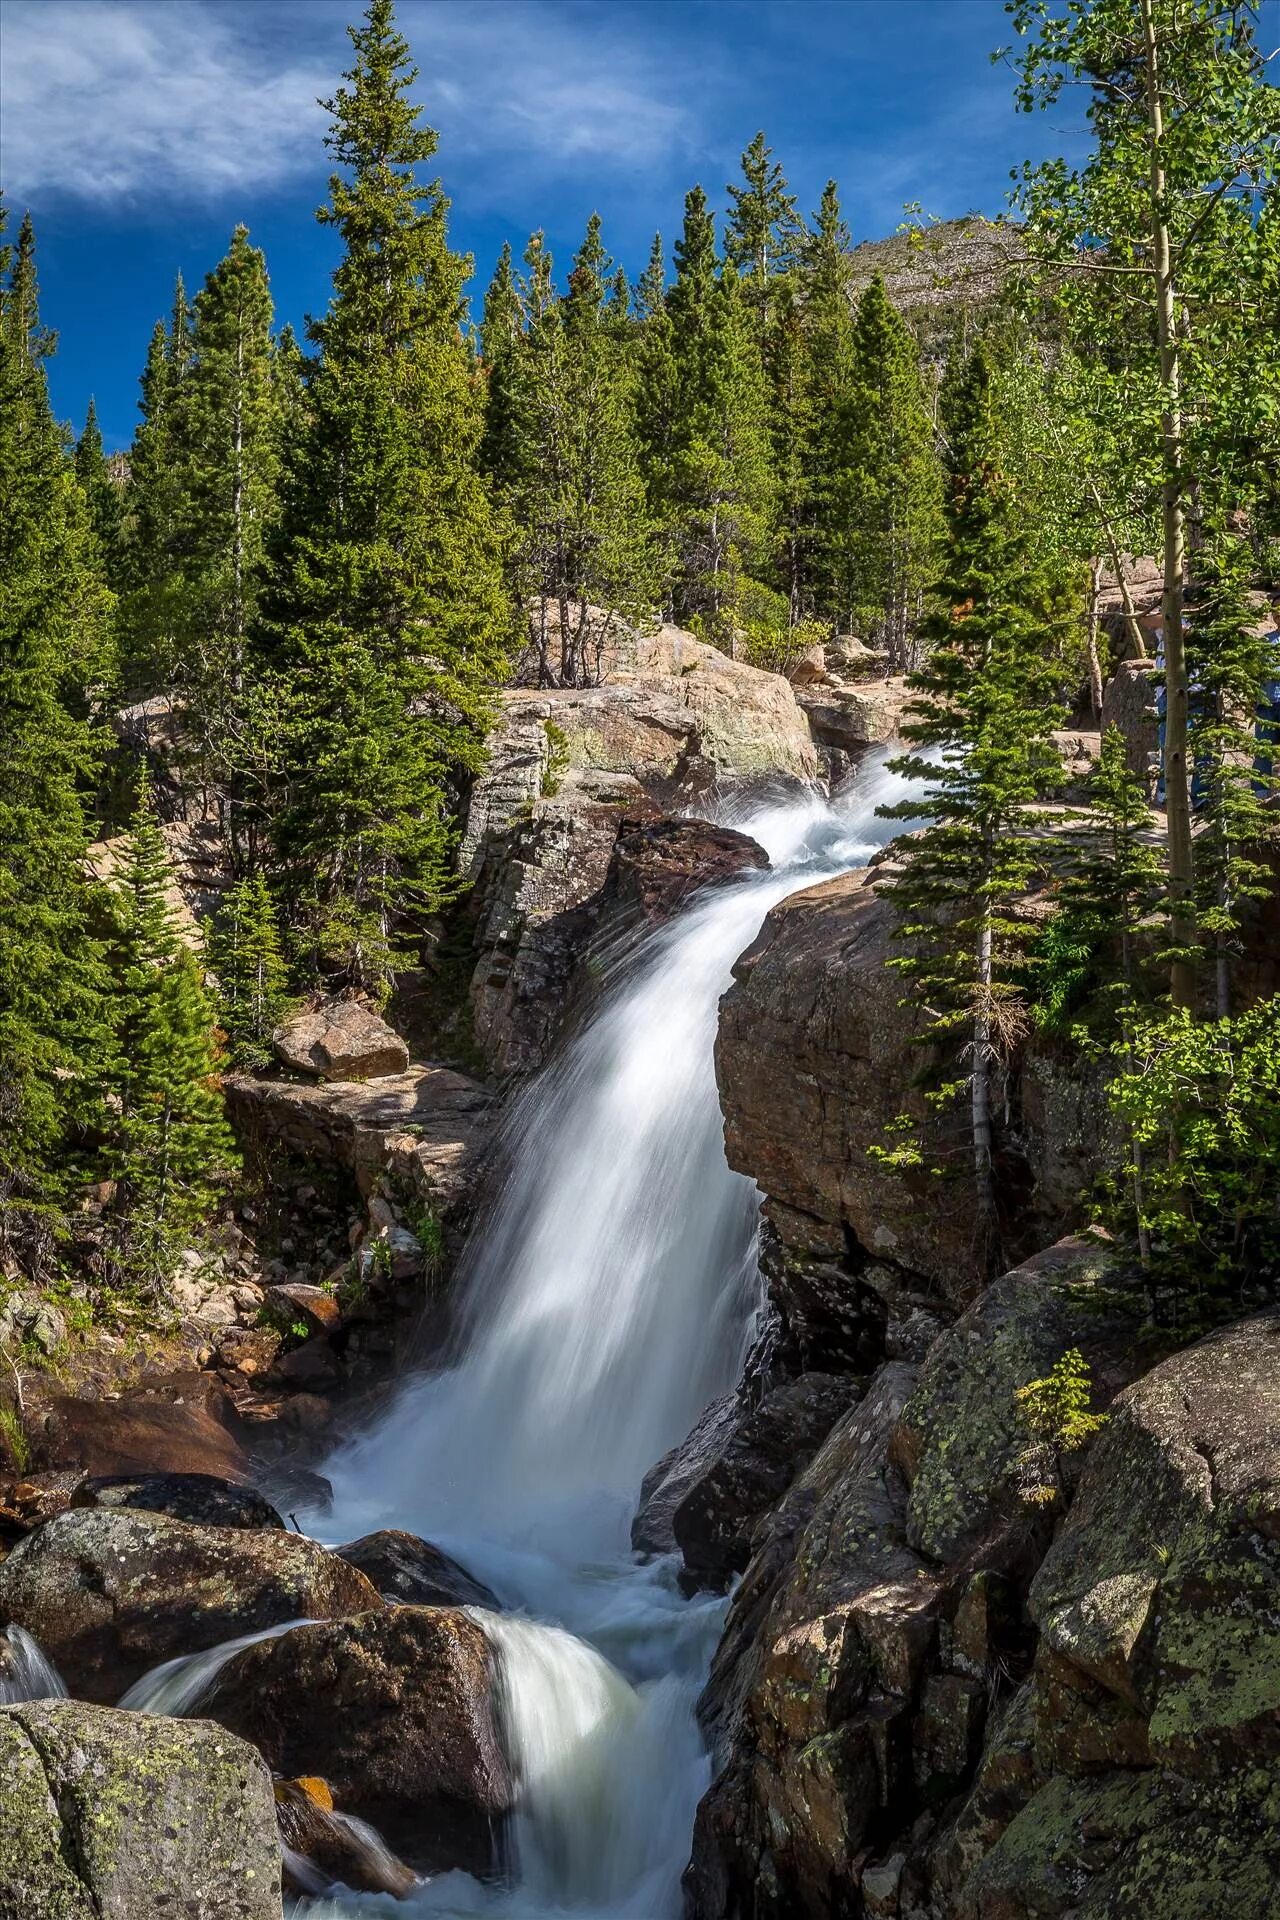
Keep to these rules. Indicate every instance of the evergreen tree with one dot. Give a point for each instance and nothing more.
(763, 231)
(385, 624)
(167, 1142)
(583, 555)
(713, 487)
(51, 603)
(102, 493)
(230, 456)
(247, 960)
(881, 503)
(1234, 754)
(980, 722)
(152, 553)
(499, 337)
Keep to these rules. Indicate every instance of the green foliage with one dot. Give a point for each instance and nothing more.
(166, 1142)
(1200, 1101)
(383, 629)
(557, 757)
(103, 495)
(14, 1438)
(1057, 1413)
(54, 620)
(1087, 971)
(247, 961)
(879, 493)
(983, 708)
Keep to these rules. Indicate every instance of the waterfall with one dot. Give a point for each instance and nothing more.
(608, 1297)
(26, 1671)
(176, 1686)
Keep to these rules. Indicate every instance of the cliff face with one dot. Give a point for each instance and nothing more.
(817, 1055)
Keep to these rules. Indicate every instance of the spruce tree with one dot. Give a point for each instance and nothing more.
(50, 964)
(714, 487)
(167, 1143)
(763, 231)
(583, 554)
(881, 515)
(499, 337)
(152, 551)
(102, 493)
(230, 458)
(980, 722)
(247, 960)
(1234, 754)
(385, 625)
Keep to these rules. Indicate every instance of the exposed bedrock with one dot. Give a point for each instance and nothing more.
(937, 1697)
(816, 1057)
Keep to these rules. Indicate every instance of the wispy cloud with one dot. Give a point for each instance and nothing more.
(104, 101)
(184, 99)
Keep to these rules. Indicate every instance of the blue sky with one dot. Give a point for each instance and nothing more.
(140, 131)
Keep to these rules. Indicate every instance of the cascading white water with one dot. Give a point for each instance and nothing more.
(609, 1294)
(176, 1686)
(26, 1671)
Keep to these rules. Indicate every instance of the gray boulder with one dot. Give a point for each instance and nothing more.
(341, 1039)
(123, 1816)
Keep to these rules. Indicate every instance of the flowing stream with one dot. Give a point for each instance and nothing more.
(609, 1295)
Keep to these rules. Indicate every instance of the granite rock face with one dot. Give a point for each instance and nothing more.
(126, 1816)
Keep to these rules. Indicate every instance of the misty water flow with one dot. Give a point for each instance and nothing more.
(609, 1293)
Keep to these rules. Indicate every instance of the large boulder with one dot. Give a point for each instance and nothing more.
(341, 1039)
(188, 1429)
(658, 865)
(199, 1497)
(396, 1711)
(122, 1816)
(111, 1593)
(849, 719)
(413, 1573)
(670, 1478)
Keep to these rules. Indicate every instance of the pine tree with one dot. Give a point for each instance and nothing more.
(584, 558)
(102, 493)
(500, 334)
(167, 1143)
(385, 623)
(152, 553)
(881, 514)
(763, 231)
(1234, 755)
(50, 965)
(247, 960)
(713, 488)
(230, 459)
(980, 721)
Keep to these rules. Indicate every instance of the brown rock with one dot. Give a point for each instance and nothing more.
(341, 1039)
(293, 1300)
(198, 1497)
(1129, 703)
(657, 865)
(190, 1433)
(112, 1593)
(395, 1710)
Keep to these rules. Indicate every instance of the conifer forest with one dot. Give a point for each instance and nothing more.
(640, 931)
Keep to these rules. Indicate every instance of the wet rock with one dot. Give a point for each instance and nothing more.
(411, 1572)
(850, 719)
(756, 1458)
(333, 1847)
(669, 1479)
(657, 865)
(119, 1816)
(396, 1711)
(111, 1593)
(341, 1039)
(198, 1497)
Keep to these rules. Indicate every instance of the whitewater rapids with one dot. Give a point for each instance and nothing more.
(609, 1294)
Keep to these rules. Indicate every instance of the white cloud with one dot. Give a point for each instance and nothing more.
(104, 100)
(185, 99)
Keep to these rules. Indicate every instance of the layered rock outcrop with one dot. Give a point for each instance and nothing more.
(932, 1700)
